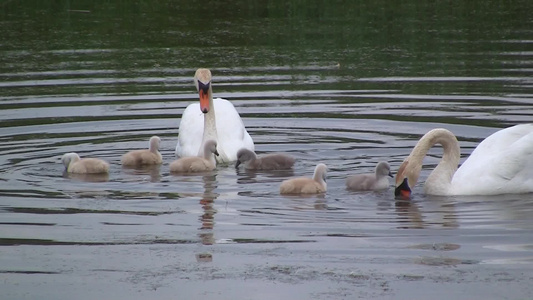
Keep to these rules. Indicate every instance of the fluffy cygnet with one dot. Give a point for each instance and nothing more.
(74, 164)
(193, 164)
(371, 181)
(304, 185)
(275, 161)
(144, 157)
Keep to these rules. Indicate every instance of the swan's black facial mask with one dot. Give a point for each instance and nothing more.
(403, 190)
(203, 90)
(203, 87)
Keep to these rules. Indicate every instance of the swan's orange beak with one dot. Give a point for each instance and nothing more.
(204, 101)
(402, 182)
(403, 191)
(203, 90)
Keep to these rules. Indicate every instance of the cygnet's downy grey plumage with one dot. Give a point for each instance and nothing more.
(193, 164)
(144, 157)
(74, 164)
(274, 161)
(304, 185)
(371, 181)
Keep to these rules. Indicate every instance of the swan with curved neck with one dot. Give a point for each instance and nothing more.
(211, 119)
(500, 164)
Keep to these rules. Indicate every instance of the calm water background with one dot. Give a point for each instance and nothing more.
(347, 84)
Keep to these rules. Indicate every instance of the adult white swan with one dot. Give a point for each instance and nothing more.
(210, 119)
(500, 164)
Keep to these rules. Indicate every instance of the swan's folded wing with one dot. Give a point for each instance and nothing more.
(232, 135)
(501, 165)
(501, 140)
(191, 130)
(516, 166)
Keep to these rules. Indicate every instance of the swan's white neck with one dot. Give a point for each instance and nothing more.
(439, 181)
(210, 126)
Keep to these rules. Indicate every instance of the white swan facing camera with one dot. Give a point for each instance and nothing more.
(211, 119)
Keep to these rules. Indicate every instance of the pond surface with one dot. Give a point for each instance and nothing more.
(347, 85)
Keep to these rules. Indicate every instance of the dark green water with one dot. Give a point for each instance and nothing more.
(344, 83)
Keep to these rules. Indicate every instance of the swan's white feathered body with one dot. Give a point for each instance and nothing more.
(500, 164)
(211, 119)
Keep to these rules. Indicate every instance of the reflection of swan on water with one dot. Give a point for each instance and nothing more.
(211, 120)
(153, 171)
(100, 177)
(409, 215)
(208, 198)
(501, 164)
(303, 202)
(246, 176)
(434, 211)
(207, 219)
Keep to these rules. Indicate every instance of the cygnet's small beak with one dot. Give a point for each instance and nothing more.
(390, 174)
(216, 153)
(237, 164)
(403, 191)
